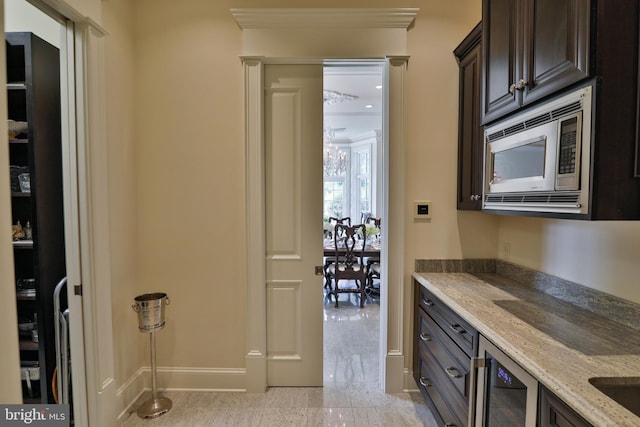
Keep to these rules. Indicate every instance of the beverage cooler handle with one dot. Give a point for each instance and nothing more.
(476, 363)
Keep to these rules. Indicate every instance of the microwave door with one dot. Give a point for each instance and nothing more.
(525, 161)
(522, 166)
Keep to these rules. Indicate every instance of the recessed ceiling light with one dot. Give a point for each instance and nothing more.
(368, 106)
(379, 87)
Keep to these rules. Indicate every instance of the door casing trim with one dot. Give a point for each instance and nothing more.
(284, 46)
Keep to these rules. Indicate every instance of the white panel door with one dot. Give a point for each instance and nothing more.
(293, 141)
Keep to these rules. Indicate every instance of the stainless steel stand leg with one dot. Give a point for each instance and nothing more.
(156, 406)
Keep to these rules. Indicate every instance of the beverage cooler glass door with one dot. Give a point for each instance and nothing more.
(507, 394)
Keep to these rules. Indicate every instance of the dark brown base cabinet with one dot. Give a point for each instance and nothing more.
(445, 344)
(33, 95)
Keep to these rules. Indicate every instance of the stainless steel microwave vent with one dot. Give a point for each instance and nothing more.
(512, 130)
(567, 109)
(569, 198)
(536, 121)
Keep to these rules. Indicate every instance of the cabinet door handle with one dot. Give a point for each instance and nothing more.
(452, 372)
(475, 197)
(518, 86)
(449, 425)
(427, 302)
(458, 329)
(424, 382)
(425, 337)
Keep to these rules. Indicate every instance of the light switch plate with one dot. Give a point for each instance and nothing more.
(422, 209)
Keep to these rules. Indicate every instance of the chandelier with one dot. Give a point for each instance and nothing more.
(334, 159)
(333, 97)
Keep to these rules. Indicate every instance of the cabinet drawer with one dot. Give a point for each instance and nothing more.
(435, 399)
(451, 361)
(450, 322)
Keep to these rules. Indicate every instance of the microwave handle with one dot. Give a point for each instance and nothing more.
(475, 364)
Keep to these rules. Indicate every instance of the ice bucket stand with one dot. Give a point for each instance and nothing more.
(150, 309)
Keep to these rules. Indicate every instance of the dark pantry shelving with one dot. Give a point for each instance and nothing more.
(33, 96)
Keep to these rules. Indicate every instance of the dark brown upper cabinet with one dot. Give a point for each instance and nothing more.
(470, 135)
(531, 49)
(556, 45)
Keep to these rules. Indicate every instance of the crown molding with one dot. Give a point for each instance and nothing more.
(315, 17)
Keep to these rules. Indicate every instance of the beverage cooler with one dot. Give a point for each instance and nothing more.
(506, 395)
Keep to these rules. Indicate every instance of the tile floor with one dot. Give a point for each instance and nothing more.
(351, 395)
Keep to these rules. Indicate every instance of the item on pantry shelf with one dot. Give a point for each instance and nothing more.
(30, 371)
(15, 171)
(28, 231)
(25, 182)
(26, 283)
(26, 287)
(18, 231)
(17, 128)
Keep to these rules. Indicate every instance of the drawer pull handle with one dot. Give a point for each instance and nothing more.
(425, 337)
(453, 372)
(458, 329)
(427, 302)
(424, 382)
(449, 425)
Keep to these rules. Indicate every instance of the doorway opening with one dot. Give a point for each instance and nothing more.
(353, 147)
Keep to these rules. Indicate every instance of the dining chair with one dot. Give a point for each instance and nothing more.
(373, 263)
(349, 251)
(333, 221)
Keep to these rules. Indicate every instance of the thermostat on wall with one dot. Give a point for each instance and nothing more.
(422, 209)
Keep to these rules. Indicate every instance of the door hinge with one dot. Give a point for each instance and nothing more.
(77, 290)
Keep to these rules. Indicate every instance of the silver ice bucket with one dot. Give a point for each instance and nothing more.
(150, 309)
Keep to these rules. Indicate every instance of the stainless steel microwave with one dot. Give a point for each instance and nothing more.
(538, 160)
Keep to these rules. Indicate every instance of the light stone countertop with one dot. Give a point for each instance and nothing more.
(558, 343)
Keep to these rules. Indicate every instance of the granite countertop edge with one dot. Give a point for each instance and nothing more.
(538, 353)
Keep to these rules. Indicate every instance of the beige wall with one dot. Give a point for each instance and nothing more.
(178, 207)
(601, 255)
(190, 177)
(175, 109)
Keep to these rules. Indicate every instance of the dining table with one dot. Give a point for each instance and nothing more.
(370, 250)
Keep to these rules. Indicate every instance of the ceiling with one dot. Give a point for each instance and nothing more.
(350, 118)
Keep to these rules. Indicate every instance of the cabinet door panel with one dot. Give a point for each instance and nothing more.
(470, 135)
(556, 45)
(553, 412)
(499, 39)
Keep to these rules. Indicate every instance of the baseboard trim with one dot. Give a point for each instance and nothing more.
(409, 382)
(172, 379)
(394, 374)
